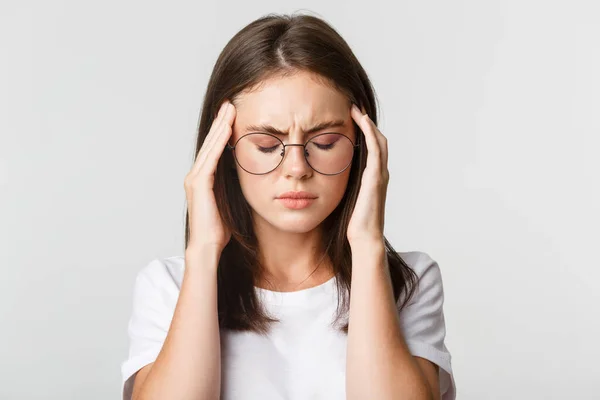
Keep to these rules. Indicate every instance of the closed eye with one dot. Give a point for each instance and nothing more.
(267, 149)
(325, 146)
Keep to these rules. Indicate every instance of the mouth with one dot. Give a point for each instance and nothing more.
(296, 200)
(297, 195)
(295, 204)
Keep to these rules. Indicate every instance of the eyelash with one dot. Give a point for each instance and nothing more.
(272, 149)
(267, 149)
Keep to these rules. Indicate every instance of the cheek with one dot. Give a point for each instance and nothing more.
(336, 187)
(256, 188)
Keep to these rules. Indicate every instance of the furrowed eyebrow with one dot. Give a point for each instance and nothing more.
(319, 127)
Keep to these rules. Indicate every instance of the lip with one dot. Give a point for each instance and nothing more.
(297, 195)
(296, 204)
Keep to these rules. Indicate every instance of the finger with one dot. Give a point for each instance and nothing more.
(382, 143)
(216, 126)
(210, 137)
(224, 133)
(381, 139)
(373, 150)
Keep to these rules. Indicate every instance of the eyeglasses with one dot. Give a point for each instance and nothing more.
(259, 153)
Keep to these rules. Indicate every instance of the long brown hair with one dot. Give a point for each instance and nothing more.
(276, 45)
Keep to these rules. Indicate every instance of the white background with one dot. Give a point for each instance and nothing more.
(491, 109)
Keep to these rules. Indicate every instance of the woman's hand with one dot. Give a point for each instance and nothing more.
(206, 225)
(366, 223)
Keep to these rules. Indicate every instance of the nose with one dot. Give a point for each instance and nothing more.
(294, 163)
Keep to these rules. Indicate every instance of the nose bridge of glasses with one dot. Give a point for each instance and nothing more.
(293, 144)
(302, 149)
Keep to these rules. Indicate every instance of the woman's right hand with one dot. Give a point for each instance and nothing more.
(205, 223)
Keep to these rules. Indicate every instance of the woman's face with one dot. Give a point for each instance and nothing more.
(293, 105)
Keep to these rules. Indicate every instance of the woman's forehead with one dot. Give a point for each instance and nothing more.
(300, 93)
(291, 103)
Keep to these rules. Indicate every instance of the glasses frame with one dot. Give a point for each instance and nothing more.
(232, 148)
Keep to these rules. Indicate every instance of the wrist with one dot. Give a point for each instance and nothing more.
(206, 256)
(368, 244)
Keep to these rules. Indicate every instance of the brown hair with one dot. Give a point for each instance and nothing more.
(277, 45)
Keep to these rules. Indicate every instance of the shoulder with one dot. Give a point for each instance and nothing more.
(163, 272)
(423, 322)
(427, 270)
(422, 264)
(159, 281)
(419, 261)
(155, 294)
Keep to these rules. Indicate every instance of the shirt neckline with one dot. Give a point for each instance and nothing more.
(297, 297)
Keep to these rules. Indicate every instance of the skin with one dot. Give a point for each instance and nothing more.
(290, 239)
(289, 242)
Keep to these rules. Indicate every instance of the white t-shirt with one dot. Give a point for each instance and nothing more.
(303, 357)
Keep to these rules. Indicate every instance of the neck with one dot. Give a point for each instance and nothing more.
(291, 260)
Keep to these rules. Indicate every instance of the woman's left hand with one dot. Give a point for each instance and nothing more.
(366, 223)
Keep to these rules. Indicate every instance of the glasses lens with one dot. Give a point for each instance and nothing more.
(258, 153)
(329, 153)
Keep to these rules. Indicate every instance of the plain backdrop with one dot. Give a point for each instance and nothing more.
(491, 109)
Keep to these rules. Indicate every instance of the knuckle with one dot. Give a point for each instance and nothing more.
(188, 185)
(191, 180)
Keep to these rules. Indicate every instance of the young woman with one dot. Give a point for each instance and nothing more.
(288, 288)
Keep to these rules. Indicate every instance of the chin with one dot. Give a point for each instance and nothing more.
(294, 222)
